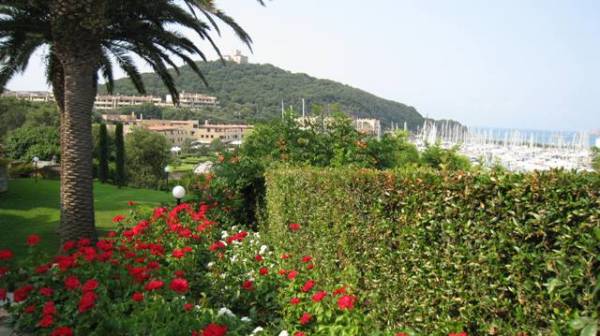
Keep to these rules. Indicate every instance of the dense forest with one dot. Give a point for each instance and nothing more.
(254, 92)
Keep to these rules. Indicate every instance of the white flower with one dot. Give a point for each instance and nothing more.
(263, 249)
(256, 330)
(284, 333)
(234, 258)
(210, 264)
(224, 234)
(225, 311)
(247, 319)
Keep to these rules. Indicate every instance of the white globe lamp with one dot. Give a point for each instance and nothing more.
(178, 193)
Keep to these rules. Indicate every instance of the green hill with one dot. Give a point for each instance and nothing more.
(251, 92)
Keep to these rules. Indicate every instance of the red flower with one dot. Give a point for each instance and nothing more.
(62, 331)
(216, 245)
(214, 329)
(49, 308)
(306, 259)
(46, 291)
(42, 269)
(118, 218)
(285, 256)
(22, 293)
(263, 271)
(179, 285)
(69, 245)
(87, 302)
(295, 300)
(458, 334)
(247, 285)
(137, 296)
(299, 333)
(177, 253)
(3, 270)
(258, 258)
(3, 292)
(318, 296)
(46, 321)
(292, 275)
(401, 334)
(188, 306)
(294, 227)
(305, 318)
(308, 286)
(310, 266)
(154, 284)
(29, 309)
(33, 240)
(111, 234)
(346, 302)
(6, 254)
(72, 283)
(131, 203)
(83, 242)
(90, 285)
(180, 274)
(339, 291)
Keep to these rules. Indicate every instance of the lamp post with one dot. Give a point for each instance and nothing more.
(168, 169)
(35, 165)
(178, 193)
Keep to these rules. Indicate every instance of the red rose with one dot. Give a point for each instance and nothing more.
(29, 309)
(263, 271)
(72, 283)
(458, 334)
(401, 334)
(247, 285)
(310, 266)
(294, 227)
(258, 258)
(214, 329)
(46, 291)
(308, 286)
(33, 240)
(299, 333)
(22, 293)
(111, 234)
(177, 253)
(154, 284)
(3, 270)
(3, 292)
(188, 306)
(341, 290)
(62, 331)
(46, 321)
(179, 285)
(295, 300)
(318, 296)
(216, 245)
(118, 218)
(137, 296)
(42, 269)
(49, 308)
(306, 259)
(180, 274)
(305, 318)
(6, 254)
(87, 302)
(90, 285)
(83, 242)
(69, 245)
(292, 275)
(346, 302)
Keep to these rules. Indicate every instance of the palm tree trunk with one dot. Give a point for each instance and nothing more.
(76, 183)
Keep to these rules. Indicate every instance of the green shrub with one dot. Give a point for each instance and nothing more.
(495, 253)
(20, 169)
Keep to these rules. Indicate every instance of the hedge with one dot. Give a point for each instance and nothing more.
(496, 253)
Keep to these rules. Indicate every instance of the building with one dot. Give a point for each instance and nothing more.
(114, 102)
(233, 134)
(191, 100)
(176, 136)
(237, 57)
(109, 102)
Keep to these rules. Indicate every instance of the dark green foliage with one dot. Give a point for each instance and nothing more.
(17, 113)
(493, 253)
(103, 154)
(119, 155)
(26, 142)
(147, 155)
(253, 92)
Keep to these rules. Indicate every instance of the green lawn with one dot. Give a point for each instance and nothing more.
(33, 207)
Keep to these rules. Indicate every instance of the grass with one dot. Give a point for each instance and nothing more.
(33, 207)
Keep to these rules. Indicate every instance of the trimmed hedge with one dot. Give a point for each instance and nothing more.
(496, 253)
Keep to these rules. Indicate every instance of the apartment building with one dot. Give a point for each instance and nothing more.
(191, 100)
(109, 102)
(233, 134)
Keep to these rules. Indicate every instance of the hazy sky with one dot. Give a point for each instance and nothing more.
(518, 64)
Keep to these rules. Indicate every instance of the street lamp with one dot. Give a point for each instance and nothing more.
(35, 165)
(168, 169)
(178, 193)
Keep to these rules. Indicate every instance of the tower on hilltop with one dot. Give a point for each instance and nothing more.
(237, 57)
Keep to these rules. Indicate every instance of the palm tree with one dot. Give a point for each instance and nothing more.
(84, 39)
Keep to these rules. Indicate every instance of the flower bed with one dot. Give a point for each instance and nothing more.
(175, 272)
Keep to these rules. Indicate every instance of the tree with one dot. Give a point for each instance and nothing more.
(147, 155)
(83, 36)
(103, 154)
(119, 156)
(24, 143)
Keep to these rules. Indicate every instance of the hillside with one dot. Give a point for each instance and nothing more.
(253, 92)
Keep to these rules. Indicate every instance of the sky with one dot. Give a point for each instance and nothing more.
(513, 63)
